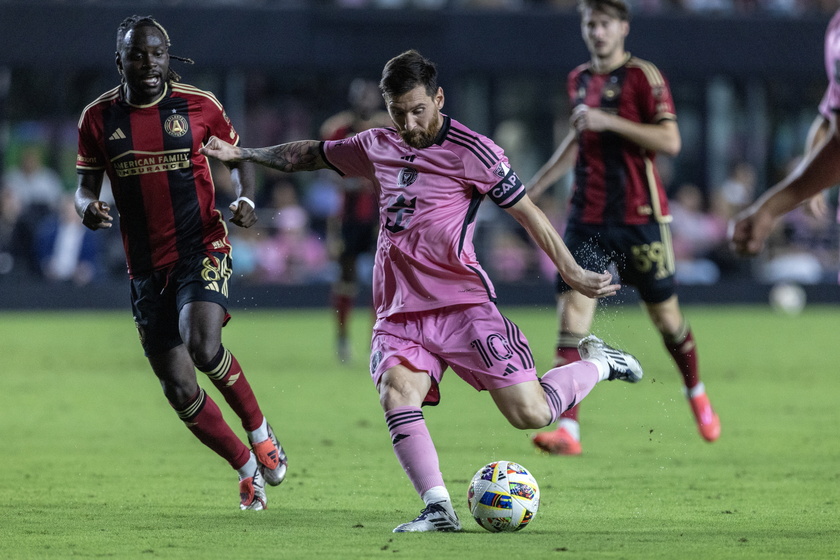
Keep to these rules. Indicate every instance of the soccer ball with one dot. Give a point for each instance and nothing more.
(503, 496)
(788, 298)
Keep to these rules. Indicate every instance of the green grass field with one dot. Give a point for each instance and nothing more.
(95, 464)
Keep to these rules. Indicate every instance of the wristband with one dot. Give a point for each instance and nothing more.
(245, 199)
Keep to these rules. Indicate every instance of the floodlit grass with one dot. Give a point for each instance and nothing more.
(94, 463)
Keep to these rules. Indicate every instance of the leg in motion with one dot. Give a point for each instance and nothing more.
(401, 395)
(200, 325)
(679, 341)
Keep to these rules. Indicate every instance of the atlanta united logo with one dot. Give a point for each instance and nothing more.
(176, 126)
(611, 91)
(407, 176)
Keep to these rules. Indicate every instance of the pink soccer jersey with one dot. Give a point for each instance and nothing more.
(831, 100)
(428, 200)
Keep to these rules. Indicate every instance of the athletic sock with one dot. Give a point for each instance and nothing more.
(414, 448)
(567, 348)
(571, 426)
(260, 434)
(683, 350)
(226, 374)
(566, 386)
(571, 414)
(248, 468)
(566, 353)
(435, 495)
(696, 391)
(204, 419)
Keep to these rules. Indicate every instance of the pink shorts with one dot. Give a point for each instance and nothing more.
(482, 346)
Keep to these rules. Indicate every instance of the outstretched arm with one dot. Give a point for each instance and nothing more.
(819, 170)
(303, 155)
(591, 284)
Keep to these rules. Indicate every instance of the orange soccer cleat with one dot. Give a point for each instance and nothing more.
(557, 442)
(707, 421)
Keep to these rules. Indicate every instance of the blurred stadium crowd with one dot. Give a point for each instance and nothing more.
(739, 135)
(781, 7)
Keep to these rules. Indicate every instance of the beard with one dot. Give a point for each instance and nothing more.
(422, 137)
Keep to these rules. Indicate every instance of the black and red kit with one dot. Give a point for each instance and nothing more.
(162, 185)
(616, 181)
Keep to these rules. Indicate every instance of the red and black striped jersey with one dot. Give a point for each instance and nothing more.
(616, 181)
(162, 186)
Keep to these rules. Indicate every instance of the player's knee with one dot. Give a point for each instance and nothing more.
(529, 418)
(397, 391)
(202, 354)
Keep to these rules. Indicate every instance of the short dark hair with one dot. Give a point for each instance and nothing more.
(405, 72)
(618, 9)
(133, 22)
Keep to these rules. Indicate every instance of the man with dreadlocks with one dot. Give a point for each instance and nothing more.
(145, 134)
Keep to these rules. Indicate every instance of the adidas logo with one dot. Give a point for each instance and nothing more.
(510, 369)
(117, 135)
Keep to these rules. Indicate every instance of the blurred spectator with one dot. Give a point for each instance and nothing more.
(67, 250)
(323, 202)
(17, 249)
(245, 243)
(803, 247)
(38, 187)
(695, 233)
(736, 192)
(802, 250)
(292, 253)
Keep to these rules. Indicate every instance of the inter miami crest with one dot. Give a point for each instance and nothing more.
(407, 176)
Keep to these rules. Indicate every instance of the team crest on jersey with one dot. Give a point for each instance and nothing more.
(176, 125)
(407, 176)
(611, 90)
(501, 170)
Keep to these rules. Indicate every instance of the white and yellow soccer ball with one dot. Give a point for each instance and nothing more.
(503, 496)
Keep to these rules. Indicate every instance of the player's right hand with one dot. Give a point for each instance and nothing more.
(591, 284)
(97, 215)
(749, 230)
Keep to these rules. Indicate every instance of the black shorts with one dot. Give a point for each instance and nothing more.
(157, 298)
(643, 256)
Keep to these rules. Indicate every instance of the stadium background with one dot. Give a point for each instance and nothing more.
(746, 78)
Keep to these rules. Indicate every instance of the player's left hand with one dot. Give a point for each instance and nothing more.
(244, 215)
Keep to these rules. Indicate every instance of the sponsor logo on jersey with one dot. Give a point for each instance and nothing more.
(152, 163)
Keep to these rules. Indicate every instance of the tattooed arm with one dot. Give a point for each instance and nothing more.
(304, 155)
